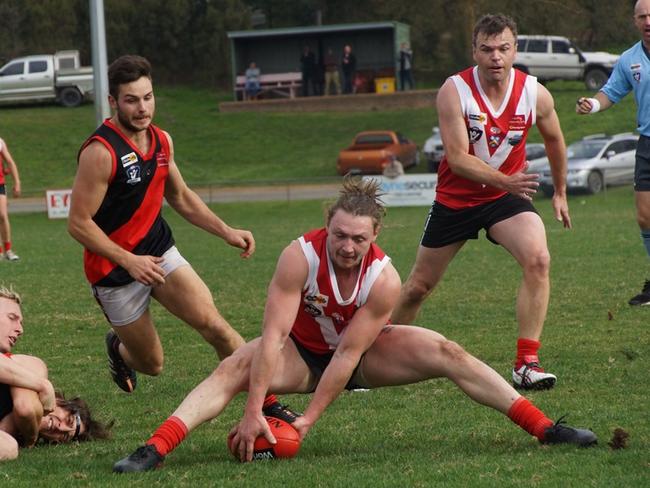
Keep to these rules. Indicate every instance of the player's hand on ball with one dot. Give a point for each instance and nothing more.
(302, 425)
(245, 433)
(278, 441)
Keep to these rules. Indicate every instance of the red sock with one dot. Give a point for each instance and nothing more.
(529, 417)
(169, 435)
(7, 246)
(527, 352)
(269, 400)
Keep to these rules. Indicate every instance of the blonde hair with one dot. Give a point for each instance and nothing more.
(10, 294)
(360, 197)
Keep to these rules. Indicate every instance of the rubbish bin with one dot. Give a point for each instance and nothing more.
(385, 85)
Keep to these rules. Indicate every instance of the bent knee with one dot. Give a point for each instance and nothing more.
(233, 372)
(538, 263)
(8, 448)
(152, 367)
(235, 363)
(643, 219)
(415, 290)
(452, 352)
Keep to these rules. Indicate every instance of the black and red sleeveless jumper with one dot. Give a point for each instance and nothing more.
(130, 214)
(6, 402)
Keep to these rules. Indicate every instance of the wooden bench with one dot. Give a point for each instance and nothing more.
(281, 84)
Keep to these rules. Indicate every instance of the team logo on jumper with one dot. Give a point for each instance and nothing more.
(516, 139)
(637, 76)
(312, 310)
(480, 118)
(129, 159)
(495, 130)
(317, 299)
(161, 160)
(517, 122)
(494, 141)
(134, 175)
(474, 134)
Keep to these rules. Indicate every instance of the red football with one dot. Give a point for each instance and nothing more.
(288, 442)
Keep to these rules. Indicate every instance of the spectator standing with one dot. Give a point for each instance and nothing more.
(252, 86)
(348, 67)
(331, 72)
(405, 65)
(308, 70)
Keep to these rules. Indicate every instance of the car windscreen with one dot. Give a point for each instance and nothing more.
(374, 139)
(585, 149)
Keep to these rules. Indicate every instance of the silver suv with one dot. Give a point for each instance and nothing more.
(557, 58)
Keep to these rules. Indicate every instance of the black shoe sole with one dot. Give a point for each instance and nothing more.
(545, 384)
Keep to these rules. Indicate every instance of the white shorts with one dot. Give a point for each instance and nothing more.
(125, 304)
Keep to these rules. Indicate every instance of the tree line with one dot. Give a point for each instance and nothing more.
(186, 40)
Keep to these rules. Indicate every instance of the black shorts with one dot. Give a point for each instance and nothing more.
(318, 362)
(6, 402)
(3, 189)
(642, 166)
(446, 226)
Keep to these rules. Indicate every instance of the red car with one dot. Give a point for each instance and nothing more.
(372, 151)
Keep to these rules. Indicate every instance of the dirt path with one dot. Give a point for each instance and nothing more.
(276, 192)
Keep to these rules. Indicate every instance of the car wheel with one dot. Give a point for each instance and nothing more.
(595, 182)
(595, 79)
(70, 97)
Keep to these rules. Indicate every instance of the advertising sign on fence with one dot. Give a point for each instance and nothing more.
(408, 190)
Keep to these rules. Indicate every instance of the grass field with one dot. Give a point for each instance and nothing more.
(421, 435)
(222, 148)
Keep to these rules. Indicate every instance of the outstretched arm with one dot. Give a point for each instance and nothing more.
(453, 132)
(283, 300)
(549, 127)
(190, 206)
(13, 168)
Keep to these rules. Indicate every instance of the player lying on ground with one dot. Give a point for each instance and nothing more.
(30, 410)
(325, 330)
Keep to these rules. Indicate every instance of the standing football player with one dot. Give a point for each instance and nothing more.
(485, 113)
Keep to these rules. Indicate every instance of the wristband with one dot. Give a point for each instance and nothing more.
(595, 105)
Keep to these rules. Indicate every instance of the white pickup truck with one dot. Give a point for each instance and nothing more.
(557, 58)
(58, 77)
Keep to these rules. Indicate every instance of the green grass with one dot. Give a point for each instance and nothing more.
(221, 148)
(420, 435)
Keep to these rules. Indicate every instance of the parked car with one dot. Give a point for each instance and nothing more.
(433, 150)
(372, 151)
(58, 77)
(535, 156)
(557, 58)
(596, 161)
